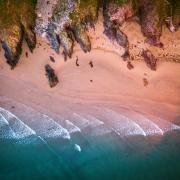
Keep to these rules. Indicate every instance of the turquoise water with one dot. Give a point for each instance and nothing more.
(103, 157)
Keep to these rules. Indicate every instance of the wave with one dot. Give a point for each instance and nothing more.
(19, 129)
(42, 124)
(149, 127)
(3, 121)
(122, 124)
(71, 127)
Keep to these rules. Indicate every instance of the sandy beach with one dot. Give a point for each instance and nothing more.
(99, 78)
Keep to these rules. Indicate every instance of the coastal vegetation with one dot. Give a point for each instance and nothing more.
(71, 19)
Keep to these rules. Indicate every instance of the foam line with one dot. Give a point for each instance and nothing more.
(20, 128)
(94, 122)
(80, 121)
(60, 130)
(124, 125)
(71, 127)
(3, 121)
(146, 124)
(41, 123)
(153, 124)
(163, 124)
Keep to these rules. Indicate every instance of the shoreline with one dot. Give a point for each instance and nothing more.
(106, 81)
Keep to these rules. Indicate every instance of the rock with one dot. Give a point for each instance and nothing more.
(68, 21)
(114, 16)
(64, 21)
(81, 37)
(17, 21)
(145, 82)
(152, 14)
(129, 65)
(173, 15)
(77, 63)
(149, 59)
(51, 76)
(52, 59)
(91, 64)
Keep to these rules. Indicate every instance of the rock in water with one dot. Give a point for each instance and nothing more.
(150, 60)
(50, 74)
(17, 21)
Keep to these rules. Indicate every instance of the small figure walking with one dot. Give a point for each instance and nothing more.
(77, 64)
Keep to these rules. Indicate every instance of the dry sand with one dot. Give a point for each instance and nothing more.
(109, 83)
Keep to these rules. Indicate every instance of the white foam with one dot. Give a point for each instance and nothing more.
(86, 120)
(71, 127)
(5, 131)
(165, 125)
(43, 125)
(79, 121)
(77, 148)
(3, 121)
(20, 129)
(123, 125)
(146, 124)
(100, 131)
(93, 122)
(48, 128)
(97, 126)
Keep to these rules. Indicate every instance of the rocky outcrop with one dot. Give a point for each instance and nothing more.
(151, 19)
(51, 76)
(149, 59)
(17, 21)
(115, 14)
(65, 21)
(68, 22)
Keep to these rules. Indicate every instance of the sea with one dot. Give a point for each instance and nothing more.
(84, 154)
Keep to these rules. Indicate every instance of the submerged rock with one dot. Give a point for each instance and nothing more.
(50, 74)
(17, 20)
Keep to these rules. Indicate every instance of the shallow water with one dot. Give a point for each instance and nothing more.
(102, 157)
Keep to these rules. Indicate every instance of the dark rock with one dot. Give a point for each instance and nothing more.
(151, 21)
(145, 82)
(112, 30)
(52, 38)
(77, 64)
(52, 59)
(91, 64)
(68, 22)
(81, 37)
(17, 21)
(129, 65)
(149, 59)
(50, 74)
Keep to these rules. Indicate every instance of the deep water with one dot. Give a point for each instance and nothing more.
(106, 157)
